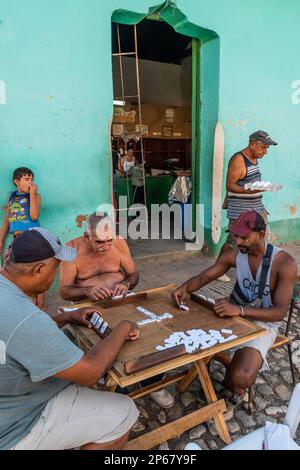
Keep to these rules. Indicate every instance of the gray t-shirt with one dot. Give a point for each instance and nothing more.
(32, 350)
(137, 175)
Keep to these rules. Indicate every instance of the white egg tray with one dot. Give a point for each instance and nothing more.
(263, 186)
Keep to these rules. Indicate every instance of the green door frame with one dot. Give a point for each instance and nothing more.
(196, 136)
(205, 101)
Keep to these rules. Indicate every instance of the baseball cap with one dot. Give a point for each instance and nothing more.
(263, 137)
(38, 244)
(248, 222)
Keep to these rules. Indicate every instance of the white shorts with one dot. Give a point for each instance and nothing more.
(78, 416)
(262, 344)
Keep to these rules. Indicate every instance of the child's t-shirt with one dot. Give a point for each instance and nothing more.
(19, 213)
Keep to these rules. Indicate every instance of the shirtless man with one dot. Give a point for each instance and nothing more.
(104, 266)
(246, 257)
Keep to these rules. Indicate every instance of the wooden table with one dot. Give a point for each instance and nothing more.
(199, 316)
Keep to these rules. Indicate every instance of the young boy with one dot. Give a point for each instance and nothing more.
(137, 180)
(23, 210)
(23, 207)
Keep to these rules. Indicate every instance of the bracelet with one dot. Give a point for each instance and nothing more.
(242, 311)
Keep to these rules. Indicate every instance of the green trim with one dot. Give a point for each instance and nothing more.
(132, 18)
(167, 12)
(210, 76)
(154, 18)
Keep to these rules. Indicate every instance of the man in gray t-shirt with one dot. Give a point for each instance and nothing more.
(39, 406)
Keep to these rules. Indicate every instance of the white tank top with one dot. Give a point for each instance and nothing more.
(127, 165)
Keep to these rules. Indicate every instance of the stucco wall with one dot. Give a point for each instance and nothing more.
(160, 83)
(55, 60)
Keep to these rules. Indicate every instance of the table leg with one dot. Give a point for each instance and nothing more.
(190, 377)
(211, 397)
(110, 384)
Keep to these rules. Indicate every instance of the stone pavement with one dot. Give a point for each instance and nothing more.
(272, 390)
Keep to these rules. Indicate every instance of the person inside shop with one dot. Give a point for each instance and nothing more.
(137, 176)
(127, 161)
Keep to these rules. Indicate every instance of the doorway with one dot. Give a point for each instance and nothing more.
(152, 125)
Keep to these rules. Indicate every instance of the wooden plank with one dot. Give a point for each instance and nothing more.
(159, 302)
(151, 360)
(156, 386)
(218, 165)
(154, 334)
(280, 340)
(91, 303)
(176, 428)
(124, 380)
(200, 301)
(211, 397)
(125, 300)
(109, 382)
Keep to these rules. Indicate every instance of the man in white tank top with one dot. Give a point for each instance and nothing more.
(268, 312)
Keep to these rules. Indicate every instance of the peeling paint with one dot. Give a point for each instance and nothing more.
(293, 210)
(205, 250)
(273, 238)
(239, 123)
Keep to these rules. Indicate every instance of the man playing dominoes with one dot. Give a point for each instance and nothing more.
(104, 266)
(45, 399)
(261, 294)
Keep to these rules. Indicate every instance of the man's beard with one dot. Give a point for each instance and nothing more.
(247, 249)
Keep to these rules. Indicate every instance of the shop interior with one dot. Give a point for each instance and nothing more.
(152, 122)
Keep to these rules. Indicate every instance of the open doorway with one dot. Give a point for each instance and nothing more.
(152, 124)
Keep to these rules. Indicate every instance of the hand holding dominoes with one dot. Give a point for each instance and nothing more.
(103, 330)
(78, 316)
(223, 308)
(178, 297)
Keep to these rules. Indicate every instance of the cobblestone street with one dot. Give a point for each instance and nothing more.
(272, 390)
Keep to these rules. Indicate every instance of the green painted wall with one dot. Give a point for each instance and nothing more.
(55, 58)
